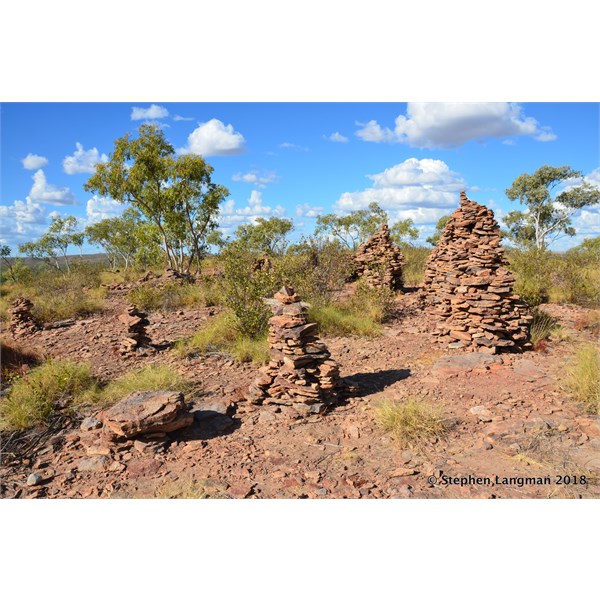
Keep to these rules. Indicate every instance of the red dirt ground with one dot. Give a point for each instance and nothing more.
(525, 425)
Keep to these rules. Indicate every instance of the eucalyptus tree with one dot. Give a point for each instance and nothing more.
(175, 193)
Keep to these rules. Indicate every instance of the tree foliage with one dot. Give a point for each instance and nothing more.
(265, 236)
(128, 238)
(547, 218)
(354, 228)
(433, 239)
(174, 193)
(402, 232)
(62, 233)
(357, 226)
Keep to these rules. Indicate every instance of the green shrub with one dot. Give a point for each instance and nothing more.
(342, 321)
(34, 398)
(411, 422)
(149, 379)
(572, 276)
(220, 335)
(244, 289)
(171, 296)
(316, 268)
(414, 269)
(583, 377)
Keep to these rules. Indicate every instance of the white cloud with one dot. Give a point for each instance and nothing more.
(34, 161)
(180, 118)
(255, 178)
(22, 222)
(451, 124)
(290, 146)
(306, 210)
(214, 138)
(337, 137)
(423, 190)
(230, 216)
(372, 132)
(83, 161)
(42, 191)
(154, 111)
(100, 207)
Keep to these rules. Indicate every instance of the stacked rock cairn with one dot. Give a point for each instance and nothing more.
(22, 322)
(469, 288)
(301, 371)
(135, 335)
(380, 262)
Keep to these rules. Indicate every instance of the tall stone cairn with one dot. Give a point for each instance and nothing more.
(380, 262)
(301, 370)
(22, 322)
(135, 333)
(470, 290)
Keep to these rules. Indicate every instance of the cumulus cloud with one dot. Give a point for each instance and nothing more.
(231, 216)
(214, 138)
(83, 161)
(34, 161)
(100, 207)
(22, 222)
(42, 191)
(180, 118)
(337, 137)
(154, 111)
(452, 124)
(420, 189)
(306, 210)
(255, 178)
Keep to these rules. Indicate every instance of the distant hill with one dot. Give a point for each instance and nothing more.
(88, 258)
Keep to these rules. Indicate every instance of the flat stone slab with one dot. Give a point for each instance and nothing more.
(526, 369)
(464, 362)
(147, 412)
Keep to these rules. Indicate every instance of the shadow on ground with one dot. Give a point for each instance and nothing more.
(208, 424)
(372, 383)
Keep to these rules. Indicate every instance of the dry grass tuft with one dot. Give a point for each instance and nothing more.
(411, 422)
(583, 377)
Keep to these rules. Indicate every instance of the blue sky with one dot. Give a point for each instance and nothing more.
(300, 160)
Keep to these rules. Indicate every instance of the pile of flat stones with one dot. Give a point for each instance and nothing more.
(301, 372)
(468, 288)
(380, 262)
(135, 335)
(22, 322)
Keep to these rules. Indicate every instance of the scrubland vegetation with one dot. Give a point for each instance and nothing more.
(176, 226)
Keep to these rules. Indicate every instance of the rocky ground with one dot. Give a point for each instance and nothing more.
(509, 419)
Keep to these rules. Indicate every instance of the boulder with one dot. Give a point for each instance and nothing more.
(147, 412)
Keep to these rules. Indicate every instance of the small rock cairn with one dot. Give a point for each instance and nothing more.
(469, 288)
(301, 371)
(22, 322)
(380, 262)
(135, 335)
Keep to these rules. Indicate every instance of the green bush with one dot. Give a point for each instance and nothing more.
(244, 288)
(414, 269)
(316, 268)
(342, 321)
(34, 398)
(220, 335)
(170, 296)
(572, 276)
